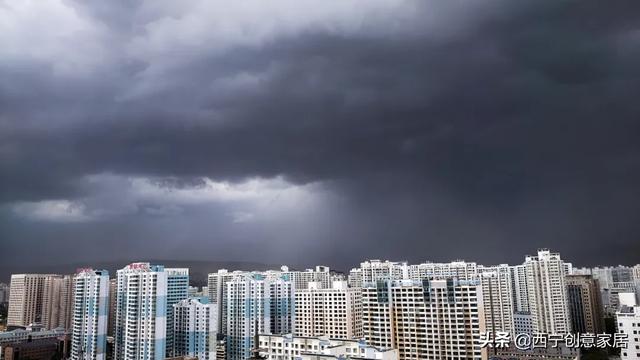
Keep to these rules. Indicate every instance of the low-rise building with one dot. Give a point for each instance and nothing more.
(289, 347)
(32, 334)
(522, 323)
(41, 349)
(549, 353)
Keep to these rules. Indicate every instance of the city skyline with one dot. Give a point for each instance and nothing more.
(206, 267)
(305, 132)
(458, 268)
(379, 310)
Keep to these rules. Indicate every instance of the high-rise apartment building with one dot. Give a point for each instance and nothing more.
(611, 296)
(262, 300)
(4, 293)
(216, 285)
(547, 293)
(497, 287)
(568, 268)
(428, 319)
(458, 269)
(25, 299)
(113, 300)
(51, 290)
(635, 273)
(141, 310)
(57, 301)
(90, 311)
(335, 312)
(195, 329)
(613, 280)
(585, 307)
(628, 322)
(621, 273)
(177, 290)
(608, 275)
(194, 292)
(498, 297)
(581, 271)
(67, 292)
(377, 314)
(373, 270)
(354, 279)
(519, 288)
(41, 298)
(301, 279)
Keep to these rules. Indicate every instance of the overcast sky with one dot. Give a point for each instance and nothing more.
(307, 132)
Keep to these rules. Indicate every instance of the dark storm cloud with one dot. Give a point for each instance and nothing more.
(499, 127)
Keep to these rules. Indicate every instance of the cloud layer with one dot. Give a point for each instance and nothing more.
(337, 130)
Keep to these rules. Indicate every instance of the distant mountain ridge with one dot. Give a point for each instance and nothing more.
(198, 269)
